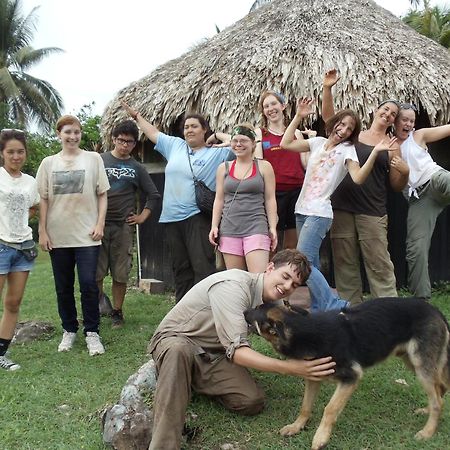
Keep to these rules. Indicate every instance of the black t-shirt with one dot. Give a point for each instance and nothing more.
(370, 197)
(126, 177)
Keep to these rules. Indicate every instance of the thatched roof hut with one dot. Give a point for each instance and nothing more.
(287, 45)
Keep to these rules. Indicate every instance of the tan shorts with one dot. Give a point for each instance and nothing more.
(116, 252)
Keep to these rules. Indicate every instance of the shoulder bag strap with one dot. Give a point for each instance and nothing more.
(190, 165)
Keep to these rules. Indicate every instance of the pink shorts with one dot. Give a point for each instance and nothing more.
(242, 245)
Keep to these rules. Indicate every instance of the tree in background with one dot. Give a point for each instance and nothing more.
(45, 144)
(90, 123)
(29, 99)
(432, 22)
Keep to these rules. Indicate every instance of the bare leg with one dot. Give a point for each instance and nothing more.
(11, 302)
(311, 390)
(335, 406)
(257, 261)
(234, 261)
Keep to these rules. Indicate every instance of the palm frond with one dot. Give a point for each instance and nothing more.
(28, 56)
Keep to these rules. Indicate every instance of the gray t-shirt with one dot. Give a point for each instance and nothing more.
(126, 177)
(211, 314)
(244, 214)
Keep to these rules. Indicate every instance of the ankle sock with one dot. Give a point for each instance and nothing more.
(4, 344)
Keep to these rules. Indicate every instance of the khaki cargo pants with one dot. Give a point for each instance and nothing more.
(182, 366)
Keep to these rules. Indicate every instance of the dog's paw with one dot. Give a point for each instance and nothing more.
(291, 429)
(319, 446)
(421, 411)
(423, 434)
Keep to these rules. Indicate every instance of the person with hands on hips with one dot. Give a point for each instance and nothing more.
(126, 177)
(244, 215)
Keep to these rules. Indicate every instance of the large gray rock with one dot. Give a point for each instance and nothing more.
(127, 425)
(32, 330)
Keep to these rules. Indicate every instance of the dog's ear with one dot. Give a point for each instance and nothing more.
(299, 310)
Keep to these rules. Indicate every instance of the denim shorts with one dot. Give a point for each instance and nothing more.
(12, 260)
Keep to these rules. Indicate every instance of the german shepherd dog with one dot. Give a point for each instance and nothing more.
(358, 337)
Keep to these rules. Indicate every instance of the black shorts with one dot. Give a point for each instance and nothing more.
(286, 201)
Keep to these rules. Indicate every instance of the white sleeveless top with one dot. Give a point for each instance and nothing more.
(420, 162)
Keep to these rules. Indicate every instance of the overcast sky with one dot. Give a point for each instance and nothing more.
(110, 44)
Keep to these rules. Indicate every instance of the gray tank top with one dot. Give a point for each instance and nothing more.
(246, 215)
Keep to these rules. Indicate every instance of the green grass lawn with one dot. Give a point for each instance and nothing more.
(55, 400)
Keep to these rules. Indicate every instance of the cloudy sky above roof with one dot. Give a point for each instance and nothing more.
(108, 46)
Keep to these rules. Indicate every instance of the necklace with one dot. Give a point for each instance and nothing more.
(246, 172)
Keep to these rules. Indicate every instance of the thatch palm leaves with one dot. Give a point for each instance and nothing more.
(27, 98)
(433, 22)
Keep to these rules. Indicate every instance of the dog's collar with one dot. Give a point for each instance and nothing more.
(287, 304)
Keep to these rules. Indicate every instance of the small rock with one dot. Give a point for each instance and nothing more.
(128, 424)
(32, 330)
(229, 446)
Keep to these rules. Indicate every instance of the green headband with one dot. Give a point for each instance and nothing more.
(244, 131)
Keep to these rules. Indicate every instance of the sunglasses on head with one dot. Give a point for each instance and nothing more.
(9, 130)
(408, 106)
(395, 102)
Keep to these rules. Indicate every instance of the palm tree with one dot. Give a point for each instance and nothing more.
(415, 3)
(431, 22)
(28, 99)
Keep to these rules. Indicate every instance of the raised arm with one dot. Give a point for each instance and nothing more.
(218, 139)
(427, 135)
(288, 142)
(149, 130)
(359, 174)
(329, 80)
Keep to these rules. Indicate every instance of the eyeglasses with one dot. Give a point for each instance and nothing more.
(408, 106)
(241, 141)
(125, 141)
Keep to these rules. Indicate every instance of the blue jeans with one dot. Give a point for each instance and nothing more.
(322, 296)
(311, 231)
(63, 263)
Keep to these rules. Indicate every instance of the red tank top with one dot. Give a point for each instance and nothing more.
(287, 165)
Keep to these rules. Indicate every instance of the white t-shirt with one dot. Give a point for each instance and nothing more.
(72, 189)
(420, 162)
(325, 170)
(17, 196)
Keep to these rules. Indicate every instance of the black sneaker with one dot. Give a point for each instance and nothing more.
(7, 364)
(117, 318)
